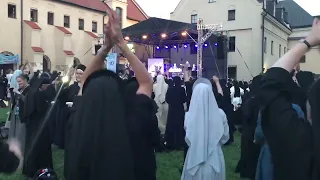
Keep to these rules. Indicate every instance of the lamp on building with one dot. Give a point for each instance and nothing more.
(163, 35)
(184, 33)
(127, 38)
(144, 37)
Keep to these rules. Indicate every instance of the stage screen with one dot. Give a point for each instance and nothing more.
(155, 65)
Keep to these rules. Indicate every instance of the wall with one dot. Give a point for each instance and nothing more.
(312, 57)
(279, 37)
(48, 37)
(10, 37)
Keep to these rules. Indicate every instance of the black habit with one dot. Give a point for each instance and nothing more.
(175, 133)
(38, 145)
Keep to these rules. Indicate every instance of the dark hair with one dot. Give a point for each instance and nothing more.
(24, 77)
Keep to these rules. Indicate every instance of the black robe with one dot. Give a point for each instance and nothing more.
(3, 88)
(143, 130)
(38, 145)
(289, 137)
(101, 146)
(250, 151)
(61, 114)
(175, 133)
(68, 141)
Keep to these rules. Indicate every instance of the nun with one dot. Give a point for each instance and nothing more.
(160, 90)
(176, 97)
(62, 108)
(207, 130)
(38, 145)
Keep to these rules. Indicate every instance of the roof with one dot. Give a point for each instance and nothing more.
(135, 12)
(297, 16)
(32, 24)
(90, 4)
(64, 30)
(91, 34)
(37, 49)
(173, 29)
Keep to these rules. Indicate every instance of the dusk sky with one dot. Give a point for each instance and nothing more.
(156, 8)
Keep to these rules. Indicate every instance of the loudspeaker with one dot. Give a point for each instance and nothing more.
(221, 48)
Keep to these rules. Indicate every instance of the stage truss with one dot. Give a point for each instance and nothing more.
(202, 38)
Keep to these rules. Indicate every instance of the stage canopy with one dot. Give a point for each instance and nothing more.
(156, 31)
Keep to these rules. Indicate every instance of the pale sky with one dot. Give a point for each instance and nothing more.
(158, 8)
(311, 6)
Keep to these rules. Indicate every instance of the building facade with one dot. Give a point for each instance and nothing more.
(256, 37)
(301, 23)
(51, 34)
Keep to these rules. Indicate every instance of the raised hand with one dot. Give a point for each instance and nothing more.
(113, 28)
(215, 79)
(15, 147)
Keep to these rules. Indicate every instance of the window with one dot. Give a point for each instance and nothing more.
(231, 15)
(232, 72)
(280, 50)
(303, 59)
(265, 45)
(212, 1)
(284, 50)
(12, 11)
(66, 21)
(232, 44)
(119, 13)
(271, 47)
(94, 26)
(81, 24)
(34, 15)
(194, 18)
(50, 18)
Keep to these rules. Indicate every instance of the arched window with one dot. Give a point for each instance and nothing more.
(46, 63)
(119, 13)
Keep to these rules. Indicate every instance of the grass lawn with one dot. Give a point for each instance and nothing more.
(168, 163)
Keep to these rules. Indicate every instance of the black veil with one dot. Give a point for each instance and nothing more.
(102, 146)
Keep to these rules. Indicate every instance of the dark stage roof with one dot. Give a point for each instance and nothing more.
(154, 27)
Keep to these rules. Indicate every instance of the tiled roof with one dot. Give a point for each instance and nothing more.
(91, 4)
(297, 16)
(91, 34)
(69, 53)
(64, 30)
(135, 12)
(37, 49)
(32, 24)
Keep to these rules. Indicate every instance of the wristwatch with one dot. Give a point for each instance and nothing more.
(306, 43)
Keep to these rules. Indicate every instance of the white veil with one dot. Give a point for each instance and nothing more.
(204, 128)
(160, 90)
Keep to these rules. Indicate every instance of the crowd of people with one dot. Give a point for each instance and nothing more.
(110, 128)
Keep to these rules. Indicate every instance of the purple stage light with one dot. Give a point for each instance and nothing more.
(216, 44)
(175, 47)
(196, 45)
(166, 47)
(185, 46)
(206, 45)
(158, 47)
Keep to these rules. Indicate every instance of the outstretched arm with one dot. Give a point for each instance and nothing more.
(291, 58)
